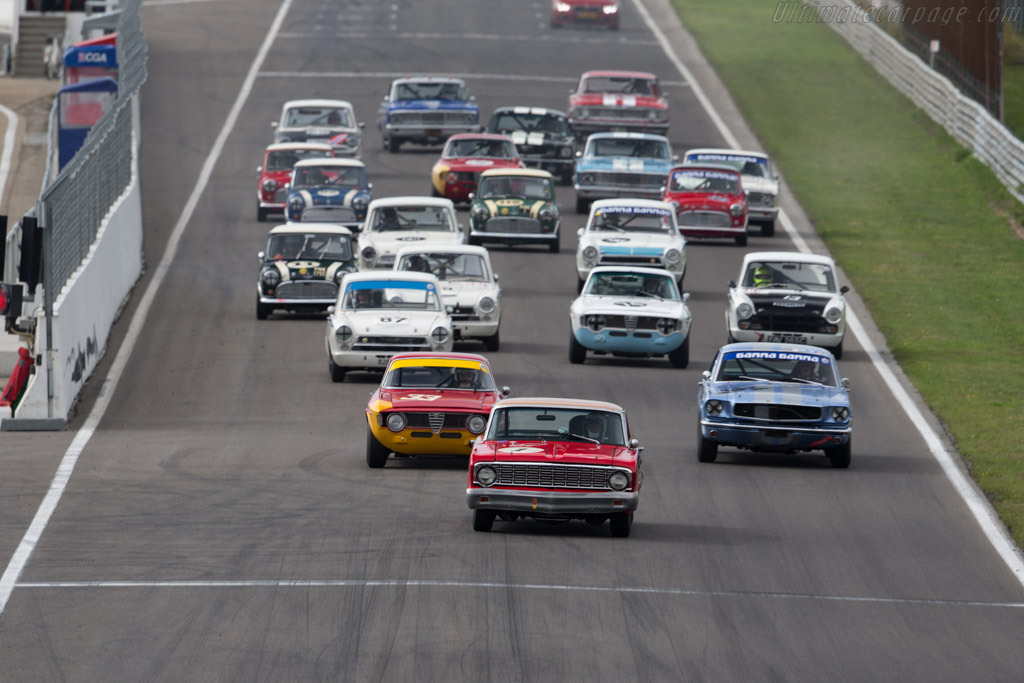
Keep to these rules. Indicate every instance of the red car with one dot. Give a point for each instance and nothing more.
(429, 404)
(709, 201)
(590, 12)
(555, 459)
(275, 173)
(465, 157)
(618, 101)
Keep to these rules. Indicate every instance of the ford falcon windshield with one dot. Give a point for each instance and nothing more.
(311, 117)
(556, 424)
(814, 277)
(451, 267)
(390, 294)
(628, 147)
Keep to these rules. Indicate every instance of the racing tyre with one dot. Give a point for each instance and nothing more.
(394, 145)
(582, 205)
(741, 240)
(768, 229)
(262, 310)
(493, 343)
(567, 178)
(837, 351)
(261, 214)
(680, 358)
(554, 246)
(621, 523)
(473, 241)
(337, 372)
(376, 453)
(577, 353)
(483, 520)
(707, 451)
(839, 457)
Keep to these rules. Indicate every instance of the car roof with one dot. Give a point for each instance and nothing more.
(795, 256)
(413, 276)
(522, 109)
(330, 162)
(629, 74)
(411, 355)
(525, 172)
(627, 134)
(723, 150)
(308, 227)
(287, 146)
(776, 348)
(639, 270)
(542, 402)
(410, 199)
(633, 201)
(480, 136)
(700, 164)
(317, 103)
(441, 248)
(428, 79)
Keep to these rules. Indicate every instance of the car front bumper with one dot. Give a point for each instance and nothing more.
(613, 340)
(769, 437)
(552, 502)
(594, 192)
(427, 134)
(415, 441)
(822, 340)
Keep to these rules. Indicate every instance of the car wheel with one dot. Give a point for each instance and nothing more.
(582, 205)
(707, 451)
(483, 520)
(567, 178)
(577, 352)
(261, 214)
(337, 372)
(837, 351)
(376, 453)
(768, 229)
(839, 457)
(680, 358)
(579, 285)
(434, 192)
(394, 145)
(621, 523)
(729, 339)
(554, 246)
(262, 310)
(741, 240)
(493, 343)
(473, 241)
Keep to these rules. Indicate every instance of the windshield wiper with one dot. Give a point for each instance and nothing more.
(586, 438)
(754, 379)
(806, 381)
(659, 298)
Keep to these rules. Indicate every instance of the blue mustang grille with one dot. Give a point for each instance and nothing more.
(762, 411)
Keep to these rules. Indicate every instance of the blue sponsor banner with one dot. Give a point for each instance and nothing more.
(735, 158)
(775, 355)
(695, 173)
(390, 284)
(636, 210)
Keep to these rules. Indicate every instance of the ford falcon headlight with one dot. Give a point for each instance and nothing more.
(596, 323)
(296, 204)
(672, 256)
(840, 413)
(667, 326)
(360, 203)
(590, 255)
(481, 213)
(587, 179)
(833, 315)
(583, 113)
(440, 335)
(736, 210)
(565, 152)
(652, 114)
(744, 311)
(546, 215)
(486, 304)
(486, 476)
(395, 422)
(344, 334)
(269, 185)
(476, 423)
(369, 253)
(270, 277)
(618, 481)
(713, 407)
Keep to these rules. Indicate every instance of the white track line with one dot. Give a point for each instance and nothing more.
(986, 517)
(67, 463)
(5, 157)
(490, 585)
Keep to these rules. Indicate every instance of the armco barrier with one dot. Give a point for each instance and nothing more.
(966, 120)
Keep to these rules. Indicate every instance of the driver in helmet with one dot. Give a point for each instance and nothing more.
(763, 276)
(465, 378)
(807, 371)
(594, 426)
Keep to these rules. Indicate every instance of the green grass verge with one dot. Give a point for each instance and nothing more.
(926, 232)
(1013, 80)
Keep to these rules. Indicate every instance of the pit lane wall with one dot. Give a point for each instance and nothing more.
(963, 118)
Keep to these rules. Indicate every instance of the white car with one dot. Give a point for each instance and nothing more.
(379, 314)
(787, 298)
(396, 222)
(328, 121)
(760, 182)
(631, 232)
(633, 313)
(469, 287)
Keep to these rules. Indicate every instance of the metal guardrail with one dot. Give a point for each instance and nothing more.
(962, 117)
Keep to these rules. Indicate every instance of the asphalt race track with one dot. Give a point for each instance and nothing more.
(221, 523)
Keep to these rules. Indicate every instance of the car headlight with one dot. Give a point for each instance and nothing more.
(476, 423)
(713, 407)
(667, 326)
(744, 311)
(610, 9)
(486, 475)
(583, 113)
(296, 204)
(369, 253)
(565, 152)
(833, 315)
(395, 422)
(270, 277)
(344, 334)
(563, 7)
(360, 203)
(840, 413)
(618, 481)
(736, 210)
(587, 179)
(590, 254)
(269, 185)
(546, 215)
(440, 335)
(672, 256)
(652, 114)
(481, 213)
(596, 323)
(486, 304)
(339, 275)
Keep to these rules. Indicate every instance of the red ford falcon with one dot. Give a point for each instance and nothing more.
(276, 171)
(555, 459)
(429, 404)
(591, 12)
(618, 101)
(709, 201)
(465, 157)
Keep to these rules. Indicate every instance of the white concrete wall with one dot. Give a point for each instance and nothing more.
(8, 16)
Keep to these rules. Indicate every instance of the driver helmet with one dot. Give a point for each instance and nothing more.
(594, 425)
(763, 276)
(465, 377)
(805, 369)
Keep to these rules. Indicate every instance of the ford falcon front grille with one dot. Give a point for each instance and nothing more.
(651, 181)
(619, 114)
(771, 411)
(307, 289)
(463, 314)
(431, 118)
(329, 214)
(705, 219)
(391, 344)
(513, 225)
(553, 476)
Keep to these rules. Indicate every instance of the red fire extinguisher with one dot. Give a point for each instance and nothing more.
(19, 378)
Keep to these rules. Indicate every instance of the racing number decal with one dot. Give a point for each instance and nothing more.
(419, 397)
(393, 320)
(520, 449)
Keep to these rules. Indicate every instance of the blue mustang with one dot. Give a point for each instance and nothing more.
(329, 190)
(622, 165)
(426, 110)
(780, 398)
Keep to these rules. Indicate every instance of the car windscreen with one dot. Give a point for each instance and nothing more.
(283, 160)
(451, 267)
(439, 377)
(626, 85)
(312, 117)
(521, 187)
(479, 147)
(310, 246)
(629, 147)
(411, 217)
(632, 284)
(813, 277)
(633, 219)
(747, 165)
(556, 424)
(776, 366)
(698, 180)
(341, 177)
(506, 122)
(390, 294)
(430, 91)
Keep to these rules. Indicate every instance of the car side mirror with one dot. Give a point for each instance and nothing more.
(845, 382)
(262, 255)
(472, 98)
(732, 284)
(634, 444)
(362, 124)
(471, 442)
(675, 157)
(495, 277)
(369, 186)
(662, 189)
(579, 154)
(775, 176)
(505, 391)
(579, 233)
(844, 289)
(472, 196)
(706, 374)
(273, 124)
(686, 297)
(386, 98)
(330, 310)
(449, 309)
(259, 169)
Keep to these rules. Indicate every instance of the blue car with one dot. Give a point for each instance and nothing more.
(774, 398)
(426, 110)
(616, 165)
(329, 190)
